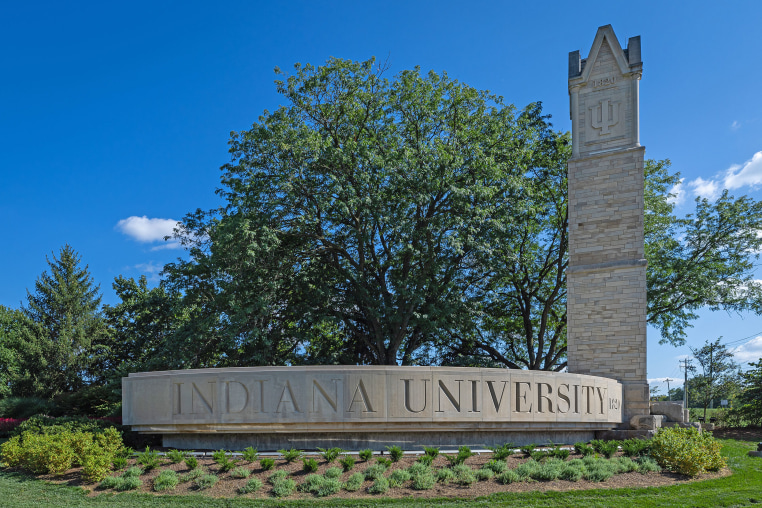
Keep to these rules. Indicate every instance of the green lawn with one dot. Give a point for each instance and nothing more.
(743, 488)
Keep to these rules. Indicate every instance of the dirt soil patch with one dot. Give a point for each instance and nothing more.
(228, 486)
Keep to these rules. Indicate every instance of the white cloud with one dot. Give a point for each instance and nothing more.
(677, 193)
(750, 351)
(149, 267)
(709, 189)
(151, 270)
(735, 125)
(747, 174)
(147, 230)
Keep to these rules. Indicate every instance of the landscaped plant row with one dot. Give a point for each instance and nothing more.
(377, 476)
(49, 446)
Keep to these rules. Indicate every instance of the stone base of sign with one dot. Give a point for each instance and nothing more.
(377, 441)
(671, 409)
(621, 435)
(755, 454)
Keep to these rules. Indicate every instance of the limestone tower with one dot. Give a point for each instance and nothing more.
(606, 277)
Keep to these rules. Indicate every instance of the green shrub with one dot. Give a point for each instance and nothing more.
(129, 483)
(375, 471)
(508, 476)
(206, 481)
(502, 452)
(347, 462)
(419, 468)
(253, 485)
(431, 451)
(24, 407)
(423, 480)
(546, 472)
(464, 452)
(311, 483)
(609, 448)
(539, 455)
(250, 454)
(366, 455)
(445, 475)
(526, 469)
(284, 487)
(597, 474)
(191, 462)
(484, 474)
(384, 461)
(175, 456)
(149, 459)
(528, 449)
(333, 472)
(571, 474)
(395, 452)
(464, 475)
(330, 487)
(310, 465)
(167, 480)
(560, 453)
(266, 463)
(41, 424)
(330, 454)
(583, 449)
(277, 476)
(380, 486)
(648, 465)
(224, 460)
(291, 455)
(193, 475)
(624, 465)
(426, 459)
(686, 451)
(110, 482)
(398, 477)
(605, 448)
(320, 485)
(354, 482)
(496, 466)
(240, 472)
(119, 463)
(635, 447)
(133, 472)
(40, 453)
(96, 463)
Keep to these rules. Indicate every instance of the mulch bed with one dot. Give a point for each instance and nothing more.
(740, 433)
(228, 486)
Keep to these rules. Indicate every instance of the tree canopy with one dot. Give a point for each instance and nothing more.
(374, 221)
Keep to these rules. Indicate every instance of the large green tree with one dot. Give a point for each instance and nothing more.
(719, 373)
(703, 260)
(142, 325)
(416, 220)
(58, 344)
(366, 214)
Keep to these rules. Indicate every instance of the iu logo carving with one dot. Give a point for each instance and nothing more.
(605, 116)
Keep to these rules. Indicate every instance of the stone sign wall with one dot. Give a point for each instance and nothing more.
(366, 399)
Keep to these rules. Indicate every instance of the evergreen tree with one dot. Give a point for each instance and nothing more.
(57, 346)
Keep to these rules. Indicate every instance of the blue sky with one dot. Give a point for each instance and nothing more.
(114, 117)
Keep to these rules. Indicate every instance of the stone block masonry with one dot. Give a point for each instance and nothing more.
(606, 278)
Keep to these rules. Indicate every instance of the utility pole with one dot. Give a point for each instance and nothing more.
(686, 366)
(669, 394)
